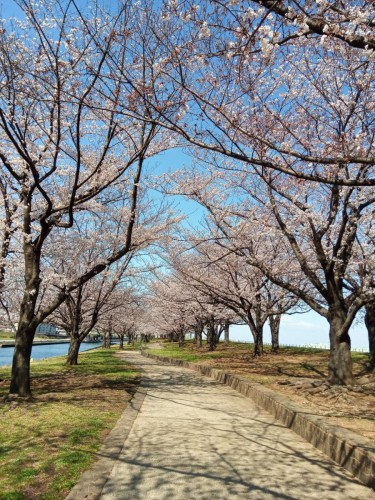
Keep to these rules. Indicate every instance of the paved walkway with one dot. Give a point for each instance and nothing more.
(194, 438)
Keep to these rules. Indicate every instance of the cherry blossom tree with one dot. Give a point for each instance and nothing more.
(85, 306)
(171, 309)
(265, 91)
(313, 241)
(178, 306)
(332, 263)
(127, 314)
(282, 87)
(348, 22)
(63, 146)
(228, 279)
(277, 86)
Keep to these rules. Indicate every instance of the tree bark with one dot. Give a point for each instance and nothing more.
(258, 341)
(211, 335)
(340, 370)
(226, 333)
(256, 328)
(219, 328)
(107, 340)
(131, 338)
(370, 325)
(181, 338)
(20, 378)
(121, 337)
(72, 358)
(275, 330)
(198, 336)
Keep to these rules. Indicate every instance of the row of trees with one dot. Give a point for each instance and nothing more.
(72, 159)
(273, 99)
(285, 100)
(281, 109)
(290, 241)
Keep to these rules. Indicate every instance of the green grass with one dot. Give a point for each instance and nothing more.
(10, 336)
(6, 335)
(47, 443)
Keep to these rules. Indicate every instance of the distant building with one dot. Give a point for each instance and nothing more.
(62, 332)
(47, 329)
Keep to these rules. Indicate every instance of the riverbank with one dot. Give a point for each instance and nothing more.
(46, 443)
(11, 343)
(45, 351)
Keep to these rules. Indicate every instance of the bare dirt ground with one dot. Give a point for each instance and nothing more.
(300, 375)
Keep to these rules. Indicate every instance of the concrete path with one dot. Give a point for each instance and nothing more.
(194, 438)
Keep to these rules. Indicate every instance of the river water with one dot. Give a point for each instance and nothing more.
(43, 351)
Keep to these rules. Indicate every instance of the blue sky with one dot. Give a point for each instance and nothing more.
(299, 329)
(304, 329)
(8, 8)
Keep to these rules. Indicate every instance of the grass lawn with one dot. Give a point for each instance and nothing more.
(46, 443)
(11, 335)
(6, 335)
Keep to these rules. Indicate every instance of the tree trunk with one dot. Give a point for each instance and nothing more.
(275, 329)
(211, 335)
(226, 333)
(131, 338)
(106, 341)
(218, 331)
(370, 325)
(109, 340)
(340, 362)
(20, 379)
(72, 357)
(257, 332)
(258, 342)
(181, 338)
(121, 337)
(198, 336)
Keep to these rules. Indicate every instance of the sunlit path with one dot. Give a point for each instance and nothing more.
(195, 438)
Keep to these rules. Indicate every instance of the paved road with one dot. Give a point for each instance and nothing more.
(194, 438)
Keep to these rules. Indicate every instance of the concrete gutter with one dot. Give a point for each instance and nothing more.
(353, 452)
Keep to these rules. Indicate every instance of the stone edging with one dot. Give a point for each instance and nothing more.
(92, 482)
(353, 452)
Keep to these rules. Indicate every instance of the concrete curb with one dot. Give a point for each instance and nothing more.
(92, 482)
(351, 451)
